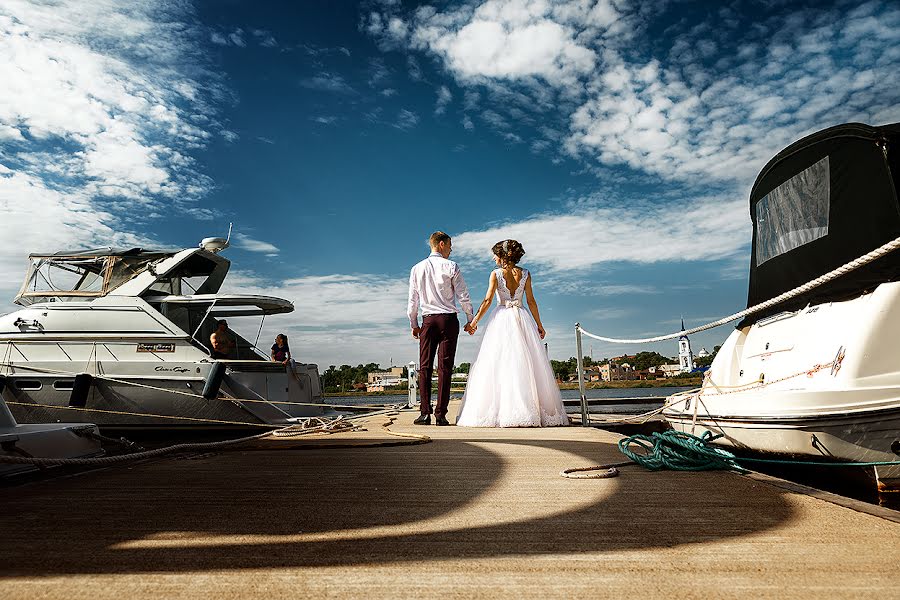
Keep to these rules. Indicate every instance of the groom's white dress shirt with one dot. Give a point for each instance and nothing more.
(434, 283)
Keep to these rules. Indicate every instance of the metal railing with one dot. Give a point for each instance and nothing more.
(585, 415)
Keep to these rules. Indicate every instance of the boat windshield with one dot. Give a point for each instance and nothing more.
(67, 278)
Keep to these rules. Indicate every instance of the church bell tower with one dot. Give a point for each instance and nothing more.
(685, 355)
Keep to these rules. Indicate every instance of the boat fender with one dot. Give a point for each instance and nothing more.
(214, 381)
(81, 387)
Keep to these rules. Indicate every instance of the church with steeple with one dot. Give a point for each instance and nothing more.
(685, 355)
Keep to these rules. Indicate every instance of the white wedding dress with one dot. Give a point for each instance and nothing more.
(511, 383)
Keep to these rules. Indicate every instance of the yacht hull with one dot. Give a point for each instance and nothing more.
(251, 395)
(821, 383)
(866, 437)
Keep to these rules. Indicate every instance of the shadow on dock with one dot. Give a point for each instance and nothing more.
(474, 497)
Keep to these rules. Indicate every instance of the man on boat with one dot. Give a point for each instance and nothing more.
(434, 285)
(221, 342)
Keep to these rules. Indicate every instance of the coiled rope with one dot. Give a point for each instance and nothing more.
(680, 451)
(842, 270)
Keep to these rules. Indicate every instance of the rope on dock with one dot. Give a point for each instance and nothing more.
(840, 271)
(680, 451)
(597, 472)
(311, 425)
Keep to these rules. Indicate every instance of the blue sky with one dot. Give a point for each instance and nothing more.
(616, 140)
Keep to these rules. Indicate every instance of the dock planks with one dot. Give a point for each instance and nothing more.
(475, 513)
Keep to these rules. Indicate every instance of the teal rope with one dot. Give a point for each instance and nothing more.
(680, 451)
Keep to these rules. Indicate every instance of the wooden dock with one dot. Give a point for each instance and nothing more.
(474, 513)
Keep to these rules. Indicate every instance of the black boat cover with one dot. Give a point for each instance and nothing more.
(820, 203)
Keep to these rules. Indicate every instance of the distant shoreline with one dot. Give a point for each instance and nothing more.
(593, 385)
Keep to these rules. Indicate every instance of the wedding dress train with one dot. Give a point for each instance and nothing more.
(511, 383)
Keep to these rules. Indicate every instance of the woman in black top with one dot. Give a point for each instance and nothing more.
(280, 350)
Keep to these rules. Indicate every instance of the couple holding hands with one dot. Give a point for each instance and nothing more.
(511, 383)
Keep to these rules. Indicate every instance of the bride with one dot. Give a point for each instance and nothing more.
(511, 383)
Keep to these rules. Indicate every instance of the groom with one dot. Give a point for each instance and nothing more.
(434, 285)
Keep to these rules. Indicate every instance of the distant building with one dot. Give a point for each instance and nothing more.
(593, 373)
(703, 353)
(612, 371)
(668, 370)
(393, 373)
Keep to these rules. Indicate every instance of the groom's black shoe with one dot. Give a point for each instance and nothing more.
(425, 420)
(441, 421)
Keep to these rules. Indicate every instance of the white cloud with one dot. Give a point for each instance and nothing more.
(245, 242)
(443, 99)
(265, 38)
(406, 119)
(697, 230)
(673, 116)
(507, 39)
(237, 38)
(328, 82)
(10, 133)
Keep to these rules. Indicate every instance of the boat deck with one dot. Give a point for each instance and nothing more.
(475, 513)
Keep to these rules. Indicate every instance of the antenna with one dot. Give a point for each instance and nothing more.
(228, 239)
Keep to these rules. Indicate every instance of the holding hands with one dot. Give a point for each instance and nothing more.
(471, 327)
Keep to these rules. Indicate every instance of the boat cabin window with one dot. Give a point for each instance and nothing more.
(61, 278)
(795, 213)
(196, 275)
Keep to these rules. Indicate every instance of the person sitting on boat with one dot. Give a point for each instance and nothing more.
(220, 340)
(280, 350)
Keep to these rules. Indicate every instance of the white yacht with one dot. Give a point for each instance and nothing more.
(818, 376)
(120, 338)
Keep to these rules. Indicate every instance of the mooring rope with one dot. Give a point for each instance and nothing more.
(680, 451)
(311, 425)
(842, 270)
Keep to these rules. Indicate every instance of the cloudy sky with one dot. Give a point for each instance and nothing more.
(617, 140)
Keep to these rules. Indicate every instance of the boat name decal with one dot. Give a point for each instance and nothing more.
(172, 369)
(156, 347)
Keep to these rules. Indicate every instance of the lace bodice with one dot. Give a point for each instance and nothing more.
(508, 299)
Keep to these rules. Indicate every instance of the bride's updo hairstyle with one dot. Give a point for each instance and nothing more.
(510, 252)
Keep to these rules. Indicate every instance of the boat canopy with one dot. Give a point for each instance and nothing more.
(818, 204)
(233, 305)
(82, 274)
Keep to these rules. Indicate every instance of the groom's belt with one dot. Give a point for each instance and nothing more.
(453, 314)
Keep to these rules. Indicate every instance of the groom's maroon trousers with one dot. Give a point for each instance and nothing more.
(439, 334)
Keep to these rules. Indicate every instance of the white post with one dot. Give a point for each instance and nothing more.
(580, 358)
(412, 378)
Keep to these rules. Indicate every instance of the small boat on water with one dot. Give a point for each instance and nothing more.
(119, 337)
(817, 376)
